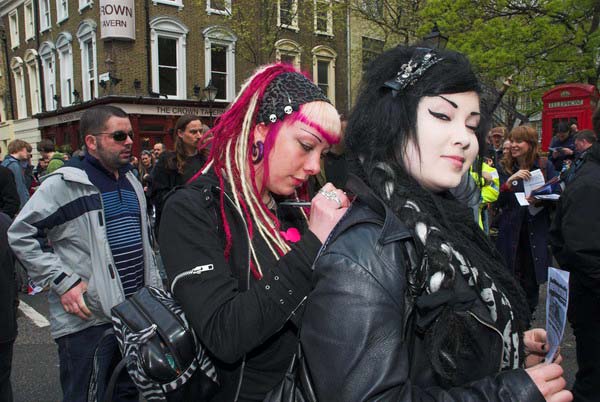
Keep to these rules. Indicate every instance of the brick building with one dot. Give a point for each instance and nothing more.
(153, 58)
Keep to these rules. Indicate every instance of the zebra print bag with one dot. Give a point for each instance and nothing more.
(162, 355)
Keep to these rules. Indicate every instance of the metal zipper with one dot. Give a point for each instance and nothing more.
(495, 330)
(209, 267)
(111, 257)
(194, 271)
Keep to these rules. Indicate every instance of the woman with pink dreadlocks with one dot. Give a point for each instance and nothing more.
(238, 259)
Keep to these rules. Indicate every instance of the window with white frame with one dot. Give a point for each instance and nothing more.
(86, 34)
(323, 17)
(84, 3)
(222, 7)
(45, 16)
(29, 20)
(33, 75)
(62, 10)
(48, 59)
(219, 61)
(16, 66)
(288, 51)
(324, 70)
(287, 14)
(168, 42)
(13, 25)
(64, 49)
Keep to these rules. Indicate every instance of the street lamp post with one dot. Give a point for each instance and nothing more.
(435, 39)
(210, 93)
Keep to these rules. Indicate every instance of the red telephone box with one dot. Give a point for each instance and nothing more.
(573, 103)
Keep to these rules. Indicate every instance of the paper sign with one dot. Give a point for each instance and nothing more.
(557, 302)
(521, 199)
(536, 180)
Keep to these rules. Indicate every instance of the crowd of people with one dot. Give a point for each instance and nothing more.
(415, 277)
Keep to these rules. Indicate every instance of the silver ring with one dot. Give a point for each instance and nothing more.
(331, 195)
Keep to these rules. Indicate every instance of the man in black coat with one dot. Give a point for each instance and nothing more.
(8, 304)
(575, 240)
(9, 197)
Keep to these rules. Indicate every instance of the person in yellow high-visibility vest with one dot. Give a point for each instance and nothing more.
(489, 182)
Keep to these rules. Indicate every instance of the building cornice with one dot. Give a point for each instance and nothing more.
(7, 6)
(164, 107)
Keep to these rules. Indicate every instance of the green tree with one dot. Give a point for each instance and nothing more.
(256, 24)
(399, 20)
(537, 42)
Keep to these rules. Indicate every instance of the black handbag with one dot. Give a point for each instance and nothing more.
(160, 350)
(296, 385)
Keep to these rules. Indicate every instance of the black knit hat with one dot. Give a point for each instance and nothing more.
(285, 94)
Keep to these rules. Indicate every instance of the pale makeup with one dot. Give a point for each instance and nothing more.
(447, 142)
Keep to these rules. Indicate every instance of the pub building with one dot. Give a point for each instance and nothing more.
(156, 59)
(152, 120)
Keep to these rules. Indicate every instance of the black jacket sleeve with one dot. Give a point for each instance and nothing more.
(352, 339)
(9, 198)
(8, 285)
(575, 234)
(229, 322)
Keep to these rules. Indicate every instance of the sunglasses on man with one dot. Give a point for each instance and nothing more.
(119, 135)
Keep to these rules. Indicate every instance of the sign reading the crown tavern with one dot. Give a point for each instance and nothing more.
(117, 19)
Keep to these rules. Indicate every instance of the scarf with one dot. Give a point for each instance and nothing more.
(449, 244)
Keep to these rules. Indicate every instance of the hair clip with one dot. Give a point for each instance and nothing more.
(410, 72)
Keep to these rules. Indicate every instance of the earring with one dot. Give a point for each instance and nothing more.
(258, 152)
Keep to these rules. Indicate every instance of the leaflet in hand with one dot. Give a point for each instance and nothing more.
(535, 181)
(545, 188)
(547, 197)
(557, 302)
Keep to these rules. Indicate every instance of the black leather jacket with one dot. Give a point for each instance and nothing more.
(357, 329)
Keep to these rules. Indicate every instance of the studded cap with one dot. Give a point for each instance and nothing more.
(285, 94)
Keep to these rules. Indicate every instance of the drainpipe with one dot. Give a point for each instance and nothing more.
(9, 101)
(36, 27)
(148, 50)
(349, 62)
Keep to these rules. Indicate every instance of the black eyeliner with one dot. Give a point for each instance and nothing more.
(438, 115)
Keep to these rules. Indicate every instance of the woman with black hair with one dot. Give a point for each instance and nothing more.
(423, 309)
(176, 168)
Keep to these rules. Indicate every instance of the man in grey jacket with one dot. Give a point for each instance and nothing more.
(85, 234)
(18, 154)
